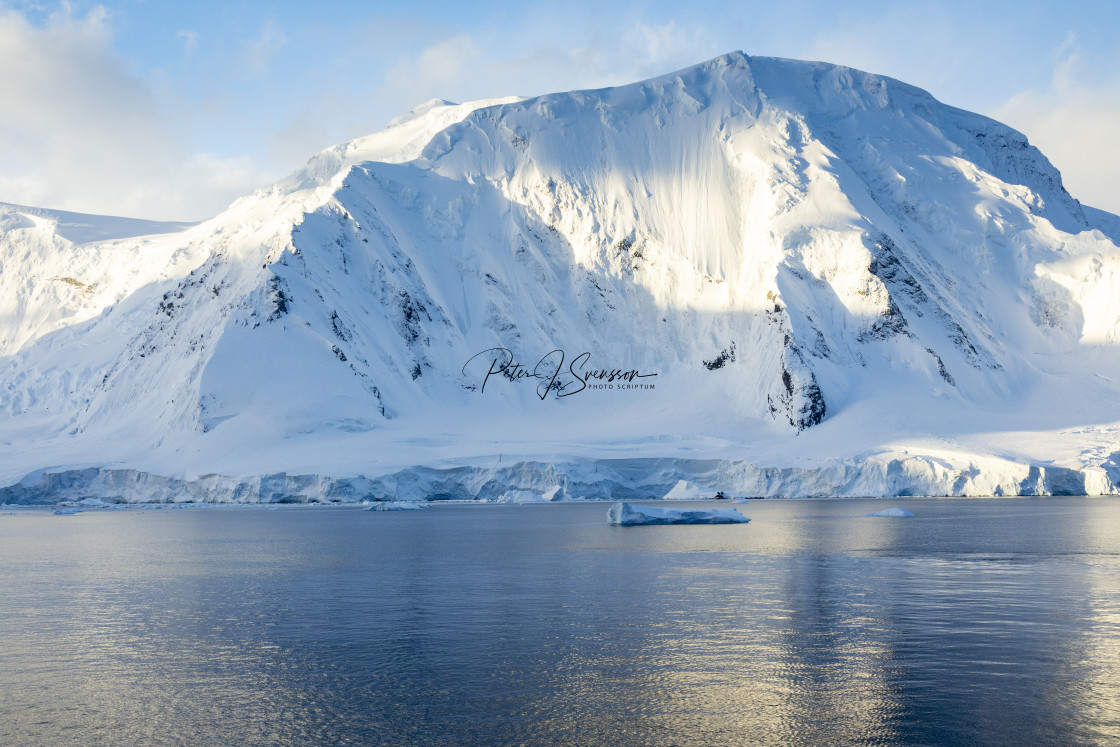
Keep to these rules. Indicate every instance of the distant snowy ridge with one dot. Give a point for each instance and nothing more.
(814, 273)
(82, 228)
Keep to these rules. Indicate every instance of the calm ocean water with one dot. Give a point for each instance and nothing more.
(974, 622)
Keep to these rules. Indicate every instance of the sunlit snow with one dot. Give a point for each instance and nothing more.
(771, 277)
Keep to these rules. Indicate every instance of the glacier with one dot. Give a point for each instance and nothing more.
(762, 276)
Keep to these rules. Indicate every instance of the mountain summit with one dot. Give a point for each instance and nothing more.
(818, 280)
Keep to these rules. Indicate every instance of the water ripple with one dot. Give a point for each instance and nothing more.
(974, 622)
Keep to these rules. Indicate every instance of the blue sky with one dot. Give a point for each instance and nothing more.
(171, 110)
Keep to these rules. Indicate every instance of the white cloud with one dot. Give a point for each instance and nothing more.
(463, 67)
(440, 67)
(80, 131)
(260, 51)
(918, 43)
(604, 58)
(1074, 119)
(655, 50)
(84, 128)
(190, 40)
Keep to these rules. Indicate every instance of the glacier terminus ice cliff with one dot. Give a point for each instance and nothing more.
(764, 276)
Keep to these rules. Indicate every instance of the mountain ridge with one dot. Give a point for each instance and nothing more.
(779, 245)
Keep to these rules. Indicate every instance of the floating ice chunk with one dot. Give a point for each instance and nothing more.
(686, 491)
(521, 496)
(92, 502)
(67, 511)
(627, 515)
(398, 506)
(891, 512)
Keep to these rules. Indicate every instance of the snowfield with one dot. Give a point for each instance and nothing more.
(761, 276)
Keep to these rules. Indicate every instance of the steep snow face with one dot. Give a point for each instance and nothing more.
(59, 268)
(720, 258)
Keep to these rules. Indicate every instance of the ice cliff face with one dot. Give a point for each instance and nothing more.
(712, 261)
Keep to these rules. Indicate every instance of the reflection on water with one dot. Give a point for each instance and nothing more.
(976, 621)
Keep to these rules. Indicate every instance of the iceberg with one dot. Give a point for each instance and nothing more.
(628, 515)
(901, 512)
(398, 506)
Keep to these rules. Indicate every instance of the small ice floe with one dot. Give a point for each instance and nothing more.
(66, 511)
(901, 512)
(627, 515)
(398, 506)
(94, 502)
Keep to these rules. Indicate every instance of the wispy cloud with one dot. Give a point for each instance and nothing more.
(461, 67)
(1073, 118)
(260, 50)
(190, 40)
(79, 130)
(90, 121)
(441, 66)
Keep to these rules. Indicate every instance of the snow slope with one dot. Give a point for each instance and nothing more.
(778, 277)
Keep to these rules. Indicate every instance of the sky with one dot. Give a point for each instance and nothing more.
(172, 110)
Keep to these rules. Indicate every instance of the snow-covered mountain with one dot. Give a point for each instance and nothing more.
(762, 275)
